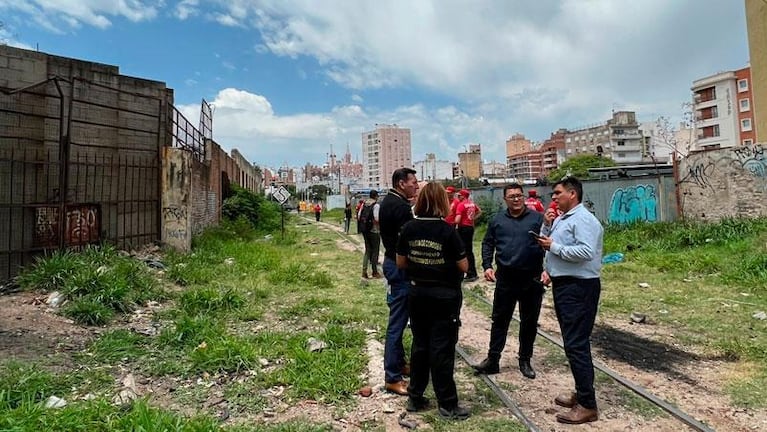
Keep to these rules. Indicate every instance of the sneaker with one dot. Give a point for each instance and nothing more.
(456, 413)
(417, 403)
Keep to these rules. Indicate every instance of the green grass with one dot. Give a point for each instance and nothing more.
(98, 283)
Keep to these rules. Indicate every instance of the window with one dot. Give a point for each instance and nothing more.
(621, 143)
(742, 85)
(748, 142)
(745, 125)
(745, 105)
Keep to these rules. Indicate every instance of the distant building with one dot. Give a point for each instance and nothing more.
(384, 150)
(531, 162)
(722, 110)
(617, 138)
(433, 169)
(494, 169)
(655, 149)
(756, 21)
(470, 162)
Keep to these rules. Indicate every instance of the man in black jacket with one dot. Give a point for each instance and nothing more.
(394, 212)
(519, 260)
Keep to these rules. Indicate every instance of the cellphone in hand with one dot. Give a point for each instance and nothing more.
(535, 234)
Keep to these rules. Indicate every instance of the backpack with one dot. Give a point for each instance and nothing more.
(366, 218)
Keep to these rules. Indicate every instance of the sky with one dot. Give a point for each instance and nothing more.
(288, 79)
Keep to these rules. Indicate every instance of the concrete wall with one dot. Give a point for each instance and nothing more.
(176, 198)
(722, 183)
(649, 199)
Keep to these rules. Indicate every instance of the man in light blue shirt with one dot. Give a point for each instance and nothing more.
(573, 244)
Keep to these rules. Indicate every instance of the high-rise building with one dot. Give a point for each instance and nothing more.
(722, 108)
(384, 150)
(756, 21)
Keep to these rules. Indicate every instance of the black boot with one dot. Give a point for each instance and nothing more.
(526, 369)
(488, 366)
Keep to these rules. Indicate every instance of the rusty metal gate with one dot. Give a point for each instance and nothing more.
(79, 164)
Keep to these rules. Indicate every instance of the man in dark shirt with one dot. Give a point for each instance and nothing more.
(519, 260)
(394, 212)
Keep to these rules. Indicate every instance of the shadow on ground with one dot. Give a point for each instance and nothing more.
(643, 353)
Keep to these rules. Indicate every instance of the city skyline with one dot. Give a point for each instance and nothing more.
(287, 80)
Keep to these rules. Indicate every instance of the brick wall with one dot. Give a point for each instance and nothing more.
(729, 182)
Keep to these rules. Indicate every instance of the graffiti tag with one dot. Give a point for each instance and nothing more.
(752, 159)
(82, 225)
(174, 213)
(699, 174)
(635, 203)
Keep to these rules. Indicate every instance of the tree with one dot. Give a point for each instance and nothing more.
(578, 166)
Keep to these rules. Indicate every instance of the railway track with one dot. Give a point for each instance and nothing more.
(515, 409)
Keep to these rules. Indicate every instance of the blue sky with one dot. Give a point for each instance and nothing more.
(290, 78)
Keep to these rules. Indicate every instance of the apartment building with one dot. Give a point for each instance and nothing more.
(618, 138)
(528, 162)
(384, 150)
(722, 109)
(433, 169)
(756, 22)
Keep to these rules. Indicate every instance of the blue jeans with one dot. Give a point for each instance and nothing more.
(575, 302)
(397, 288)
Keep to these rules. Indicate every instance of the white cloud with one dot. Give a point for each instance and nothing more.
(357, 98)
(73, 13)
(186, 9)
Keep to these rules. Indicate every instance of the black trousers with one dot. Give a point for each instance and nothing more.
(575, 302)
(466, 233)
(434, 323)
(512, 287)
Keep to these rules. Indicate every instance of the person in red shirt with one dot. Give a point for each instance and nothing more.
(453, 199)
(533, 202)
(465, 214)
(317, 211)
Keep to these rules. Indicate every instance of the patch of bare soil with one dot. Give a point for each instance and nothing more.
(31, 330)
(692, 381)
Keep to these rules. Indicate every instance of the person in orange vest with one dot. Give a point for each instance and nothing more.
(533, 202)
(465, 214)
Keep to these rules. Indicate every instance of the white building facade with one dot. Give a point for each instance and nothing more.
(433, 169)
(714, 108)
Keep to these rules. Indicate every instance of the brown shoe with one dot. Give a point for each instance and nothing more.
(399, 387)
(365, 275)
(578, 415)
(377, 275)
(567, 400)
(406, 369)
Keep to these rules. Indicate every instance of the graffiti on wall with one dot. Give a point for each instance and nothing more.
(81, 225)
(699, 174)
(635, 203)
(752, 159)
(175, 222)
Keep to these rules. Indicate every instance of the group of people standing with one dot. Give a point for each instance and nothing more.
(427, 234)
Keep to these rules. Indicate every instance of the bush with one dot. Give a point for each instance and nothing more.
(489, 208)
(263, 215)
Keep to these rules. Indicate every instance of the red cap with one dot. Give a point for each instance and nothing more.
(450, 189)
(464, 193)
(532, 192)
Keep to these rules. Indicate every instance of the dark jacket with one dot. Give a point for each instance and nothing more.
(393, 213)
(507, 237)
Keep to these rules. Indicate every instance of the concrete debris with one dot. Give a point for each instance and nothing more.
(643, 285)
(55, 299)
(55, 402)
(638, 318)
(761, 315)
(316, 344)
(128, 392)
(388, 409)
